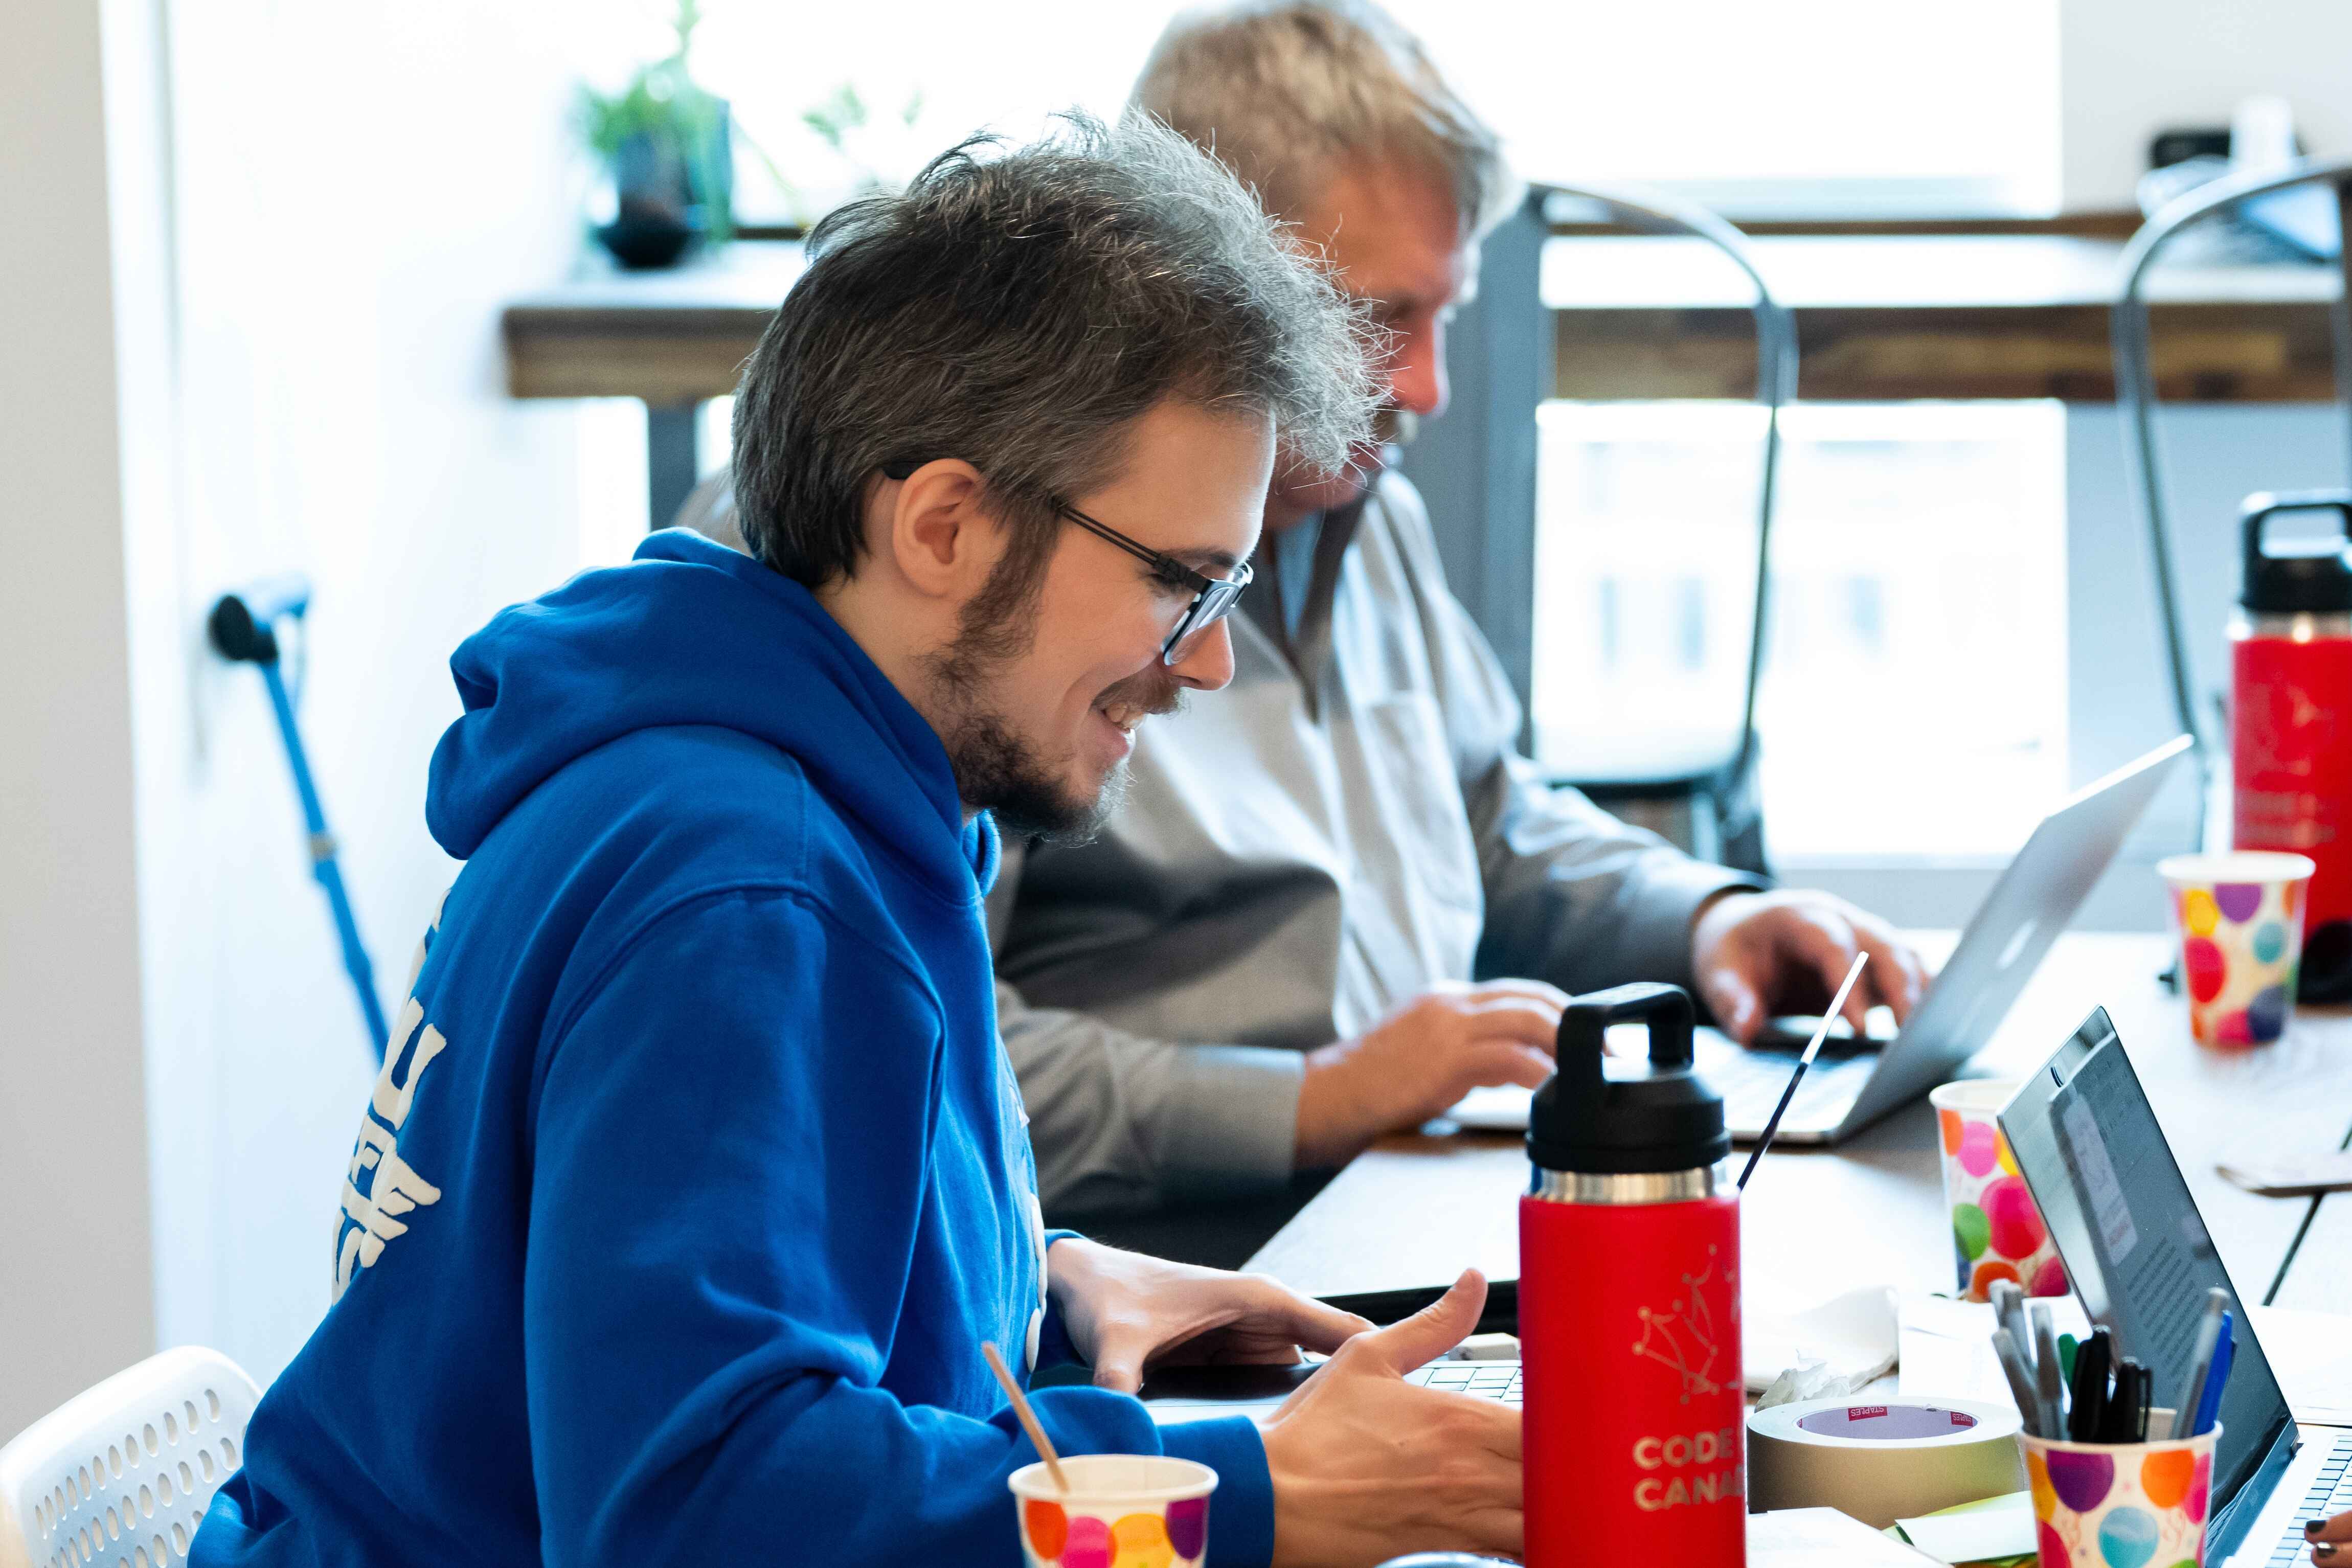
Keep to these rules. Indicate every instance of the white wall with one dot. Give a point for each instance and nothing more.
(356, 190)
(280, 354)
(74, 1221)
(2128, 68)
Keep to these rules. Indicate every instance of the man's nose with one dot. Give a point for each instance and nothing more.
(1417, 371)
(1207, 665)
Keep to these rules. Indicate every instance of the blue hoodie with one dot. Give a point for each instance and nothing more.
(695, 1175)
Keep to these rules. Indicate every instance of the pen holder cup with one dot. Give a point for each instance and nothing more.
(1122, 1508)
(1996, 1232)
(2120, 1505)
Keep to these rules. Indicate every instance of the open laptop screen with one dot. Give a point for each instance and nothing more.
(2087, 1143)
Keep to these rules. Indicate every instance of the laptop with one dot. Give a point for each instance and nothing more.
(1852, 1084)
(2140, 1257)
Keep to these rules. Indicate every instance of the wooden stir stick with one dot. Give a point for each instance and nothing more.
(1028, 1416)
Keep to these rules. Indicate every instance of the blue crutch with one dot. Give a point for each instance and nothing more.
(243, 629)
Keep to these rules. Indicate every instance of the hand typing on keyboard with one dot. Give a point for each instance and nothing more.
(2331, 1539)
(1367, 1467)
(1755, 954)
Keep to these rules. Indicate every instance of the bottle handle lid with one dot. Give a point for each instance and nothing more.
(1584, 1026)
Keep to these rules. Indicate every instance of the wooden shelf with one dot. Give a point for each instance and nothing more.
(1879, 317)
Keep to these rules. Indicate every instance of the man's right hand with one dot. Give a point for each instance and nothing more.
(1422, 1058)
(1368, 1467)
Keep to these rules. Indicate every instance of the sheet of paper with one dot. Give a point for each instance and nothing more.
(1947, 1347)
(2000, 1527)
(1814, 1537)
(1854, 1334)
(2311, 1354)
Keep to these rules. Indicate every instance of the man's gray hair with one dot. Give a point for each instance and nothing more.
(1286, 91)
(1019, 308)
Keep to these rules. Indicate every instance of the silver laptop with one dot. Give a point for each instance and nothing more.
(1850, 1088)
(2141, 1259)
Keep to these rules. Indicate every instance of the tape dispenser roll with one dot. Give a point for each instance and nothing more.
(1882, 1463)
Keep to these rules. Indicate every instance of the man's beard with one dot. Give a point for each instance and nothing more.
(998, 769)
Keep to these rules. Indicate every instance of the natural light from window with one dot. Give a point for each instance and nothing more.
(1812, 105)
(1914, 699)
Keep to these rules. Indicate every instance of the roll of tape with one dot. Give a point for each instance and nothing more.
(1882, 1463)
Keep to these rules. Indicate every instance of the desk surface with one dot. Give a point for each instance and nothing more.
(1878, 317)
(1413, 1212)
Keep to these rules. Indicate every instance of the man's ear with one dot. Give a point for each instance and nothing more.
(935, 532)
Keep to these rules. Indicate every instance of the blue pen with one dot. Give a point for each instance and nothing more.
(2208, 1405)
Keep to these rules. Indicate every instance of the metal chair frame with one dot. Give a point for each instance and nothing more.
(1713, 792)
(2136, 400)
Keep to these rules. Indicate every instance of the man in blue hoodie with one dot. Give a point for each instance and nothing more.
(695, 1176)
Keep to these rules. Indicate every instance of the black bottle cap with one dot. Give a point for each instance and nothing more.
(1619, 1116)
(2312, 576)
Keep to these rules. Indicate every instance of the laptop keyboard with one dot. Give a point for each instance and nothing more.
(1751, 1083)
(2330, 1493)
(1497, 1380)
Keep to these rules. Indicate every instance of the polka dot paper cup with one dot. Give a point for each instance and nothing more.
(1997, 1233)
(1122, 1511)
(2120, 1505)
(2241, 921)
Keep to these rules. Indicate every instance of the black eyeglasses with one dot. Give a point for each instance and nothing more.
(1213, 597)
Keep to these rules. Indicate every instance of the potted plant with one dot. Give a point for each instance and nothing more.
(664, 145)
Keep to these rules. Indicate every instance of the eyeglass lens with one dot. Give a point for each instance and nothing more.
(1211, 606)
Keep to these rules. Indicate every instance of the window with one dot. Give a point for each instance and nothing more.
(1915, 695)
(1814, 106)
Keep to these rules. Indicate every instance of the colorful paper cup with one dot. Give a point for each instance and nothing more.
(1997, 1233)
(2240, 916)
(1122, 1511)
(2120, 1505)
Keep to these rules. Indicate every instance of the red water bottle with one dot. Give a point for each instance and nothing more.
(1628, 1302)
(2291, 720)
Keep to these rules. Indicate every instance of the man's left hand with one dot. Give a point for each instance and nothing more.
(1756, 954)
(1125, 1312)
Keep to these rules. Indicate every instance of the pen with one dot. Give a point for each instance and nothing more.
(2008, 1311)
(2022, 1387)
(2124, 1408)
(2046, 1363)
(2146, 1402)
(2068, 1347)
(2200, 1362)
(2208, 1405)
(2089, 1417)
(1812, 1049)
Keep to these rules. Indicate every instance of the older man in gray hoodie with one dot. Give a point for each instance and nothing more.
(1338, 897)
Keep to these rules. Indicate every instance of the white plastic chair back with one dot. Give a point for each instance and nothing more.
(117, 1476)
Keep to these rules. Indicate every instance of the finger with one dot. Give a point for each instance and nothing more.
(1731, 997)
(1306, 1321)
(1825, 943)
(1550, 996)
(1496, 1062)
(1896, 976)
(2337, 1528)
(1118, 1362)
(1529, 1023)
(1435, 1329)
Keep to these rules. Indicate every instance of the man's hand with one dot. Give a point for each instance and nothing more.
(1368, 1467)
(1126, 1311)
(1422, 1058)
(1759, 954)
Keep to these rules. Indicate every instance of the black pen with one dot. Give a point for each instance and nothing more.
(2124, 1408)
(2089, 1413)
